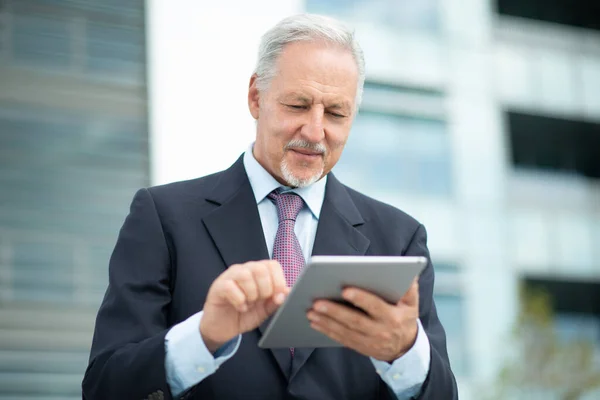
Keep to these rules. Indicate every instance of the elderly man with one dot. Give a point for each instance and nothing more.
(200, 265)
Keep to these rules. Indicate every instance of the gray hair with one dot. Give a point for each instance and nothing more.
(305, 27)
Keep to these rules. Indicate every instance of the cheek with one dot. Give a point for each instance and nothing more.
(280, 134)
(336, 140)
(282, 125)
(275, 129)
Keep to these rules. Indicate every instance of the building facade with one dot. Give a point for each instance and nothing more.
(480, 118)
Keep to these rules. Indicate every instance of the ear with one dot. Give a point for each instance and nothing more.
(253, 97)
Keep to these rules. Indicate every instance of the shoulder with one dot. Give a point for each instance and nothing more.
(177, 198)
(374, 210)
(176, 203)
(192, 188)
(390, 230)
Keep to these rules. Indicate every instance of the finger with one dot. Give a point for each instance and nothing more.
(354, 320)
(271, 306)
(277, 277)
(373, 305)
(245, 280)
(234, 295)
(411, 297)
(337, 331)
(262, 278)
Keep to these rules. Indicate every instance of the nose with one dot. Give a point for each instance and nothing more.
(313, 130)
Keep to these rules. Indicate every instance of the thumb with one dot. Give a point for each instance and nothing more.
(271, 305)
(411, 297)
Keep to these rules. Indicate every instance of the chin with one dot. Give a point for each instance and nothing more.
(296, 179)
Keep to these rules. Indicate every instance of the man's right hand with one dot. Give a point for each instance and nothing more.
(240, 299)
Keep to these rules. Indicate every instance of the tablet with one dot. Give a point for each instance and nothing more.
(324, 277)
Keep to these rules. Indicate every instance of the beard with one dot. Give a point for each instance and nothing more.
(294, 180)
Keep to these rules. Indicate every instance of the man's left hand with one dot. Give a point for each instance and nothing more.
(384, 331)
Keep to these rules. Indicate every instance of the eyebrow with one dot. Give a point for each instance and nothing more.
(339, 106)
(296, 97)
(343, 105)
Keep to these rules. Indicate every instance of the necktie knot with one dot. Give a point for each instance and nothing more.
(288, 205)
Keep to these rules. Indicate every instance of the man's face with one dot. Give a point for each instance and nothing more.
(304, 118)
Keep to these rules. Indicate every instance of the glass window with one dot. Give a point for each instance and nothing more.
(577, 326)
(44, 270)
(398, 144)
(41, 41)
(451, 313)
(115, 49)
(556, 144)
(450, 307)
(101, 41)
(590, 75)
(577, 13)
(67, 179)
(397, 154)
(596, 235)
(413, 15)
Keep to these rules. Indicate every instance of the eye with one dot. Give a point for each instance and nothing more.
(336, 115)
(296, 107)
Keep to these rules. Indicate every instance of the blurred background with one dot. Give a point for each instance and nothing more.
(481, 118)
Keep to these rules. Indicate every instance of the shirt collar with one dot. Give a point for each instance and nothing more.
(263, 183)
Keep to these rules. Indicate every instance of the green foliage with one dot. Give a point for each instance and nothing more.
(542, 366)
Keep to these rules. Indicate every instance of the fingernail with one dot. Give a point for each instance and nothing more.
(279, 298)
(321, 308)
(349, 294)
(313, 317)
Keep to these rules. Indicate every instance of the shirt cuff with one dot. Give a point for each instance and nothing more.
(406, 375)
(187, 360)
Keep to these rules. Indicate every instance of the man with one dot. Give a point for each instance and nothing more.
(200, 265)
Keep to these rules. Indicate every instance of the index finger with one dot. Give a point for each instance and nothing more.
(279, 282)
(374, 305)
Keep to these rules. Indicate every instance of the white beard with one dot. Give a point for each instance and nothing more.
(289, 177)
(294, 181)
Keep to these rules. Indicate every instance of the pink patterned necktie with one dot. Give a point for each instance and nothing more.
(287, 248)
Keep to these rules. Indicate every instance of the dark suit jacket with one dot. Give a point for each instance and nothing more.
(179, 237)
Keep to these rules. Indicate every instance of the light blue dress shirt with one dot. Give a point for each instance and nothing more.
(188, 361)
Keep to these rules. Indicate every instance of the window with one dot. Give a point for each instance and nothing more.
(398, 144)
(114, 48)
(580, 13)
(581, 297)
(451, 311)
(558, 339)
(555, 144)
(409, 15)
(41, 40)
(100, 41)
(577, 326)
(67, 179)
(450, 305)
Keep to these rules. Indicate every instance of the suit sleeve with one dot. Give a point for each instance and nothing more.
(127, 359)
(440, 382)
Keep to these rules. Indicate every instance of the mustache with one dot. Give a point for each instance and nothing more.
(303, 144)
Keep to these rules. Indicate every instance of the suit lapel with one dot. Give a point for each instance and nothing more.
(337, 234)
(235, 225)
(237, 232)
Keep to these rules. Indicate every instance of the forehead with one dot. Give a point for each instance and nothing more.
(316, 70)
